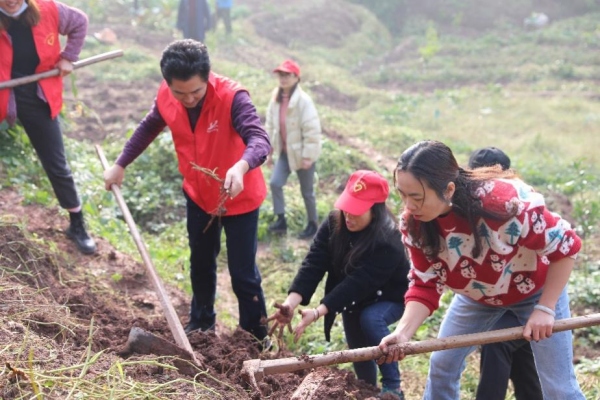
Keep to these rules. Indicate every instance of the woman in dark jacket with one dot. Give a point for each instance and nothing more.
(360, 249)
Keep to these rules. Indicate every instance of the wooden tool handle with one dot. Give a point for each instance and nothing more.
(172, 319)
(269, 367)
(54, 72)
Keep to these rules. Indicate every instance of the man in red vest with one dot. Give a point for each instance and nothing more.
(214, 126)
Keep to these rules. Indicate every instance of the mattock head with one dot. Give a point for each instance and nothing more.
(252, 373)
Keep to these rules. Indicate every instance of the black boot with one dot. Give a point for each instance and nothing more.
(279, 226)
(309, 231)
(194, 326)
(76, 232)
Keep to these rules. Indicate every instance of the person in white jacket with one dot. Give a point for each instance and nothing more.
(294, 128)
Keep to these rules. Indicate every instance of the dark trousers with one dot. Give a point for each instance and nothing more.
(46, 138)
(367, 327)
(225, 15)
(504, 360)
(241, 241)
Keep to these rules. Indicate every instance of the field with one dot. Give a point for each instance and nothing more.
(65, 317)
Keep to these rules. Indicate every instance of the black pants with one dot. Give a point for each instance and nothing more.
(225, 14)
(241, 241)
(513, 359)
(46, 138)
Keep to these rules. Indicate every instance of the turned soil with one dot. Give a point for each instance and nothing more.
(67, 302)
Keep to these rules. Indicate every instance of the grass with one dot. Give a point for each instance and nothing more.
(531, 93)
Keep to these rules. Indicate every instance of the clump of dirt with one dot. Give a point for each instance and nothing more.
(66, 304)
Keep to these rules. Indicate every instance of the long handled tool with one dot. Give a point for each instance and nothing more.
(136, 337)
(254, 371)
(54, 72)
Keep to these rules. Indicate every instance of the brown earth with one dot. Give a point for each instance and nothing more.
(59, 303)
(58, 298)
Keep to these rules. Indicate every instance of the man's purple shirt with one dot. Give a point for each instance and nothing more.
(244, 119)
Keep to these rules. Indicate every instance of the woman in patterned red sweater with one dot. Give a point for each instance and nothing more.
(488, 237)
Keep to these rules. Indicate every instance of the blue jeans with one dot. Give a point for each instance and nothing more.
(366, 327)
(241, 240)
(306, 177)
(553, 356)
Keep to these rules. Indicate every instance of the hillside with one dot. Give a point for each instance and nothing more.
(66, 317)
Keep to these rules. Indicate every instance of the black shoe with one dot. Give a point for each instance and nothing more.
(279, 226)
(391, 394)
(266, 344)
(77, 233)
(309, 231)
(198, 326)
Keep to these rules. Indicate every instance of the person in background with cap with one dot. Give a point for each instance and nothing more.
(360, 249)
(293, 125)
(504, 360)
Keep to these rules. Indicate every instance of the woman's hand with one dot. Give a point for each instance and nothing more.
(391, 353)
(308, 317)
(306, 163)
(539, 326)
(64, 66)
(281, 318)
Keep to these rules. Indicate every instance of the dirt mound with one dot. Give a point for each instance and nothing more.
(325, 24)
(326, 94)
(59, 307)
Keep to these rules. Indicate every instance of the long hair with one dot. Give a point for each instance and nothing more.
(345, 254)
(433, 165)
(31, 16)
(279, 96)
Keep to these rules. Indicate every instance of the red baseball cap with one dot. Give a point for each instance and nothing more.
(288, 66)
(364, 188)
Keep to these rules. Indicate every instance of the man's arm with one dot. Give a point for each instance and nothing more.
(145, 133)
(246, 122)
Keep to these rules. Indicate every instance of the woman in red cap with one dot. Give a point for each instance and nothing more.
(360, 249)
(295, 131)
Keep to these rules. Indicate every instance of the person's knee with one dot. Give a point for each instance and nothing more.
(443, 361)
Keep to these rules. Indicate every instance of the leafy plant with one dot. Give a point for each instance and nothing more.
(432, 44)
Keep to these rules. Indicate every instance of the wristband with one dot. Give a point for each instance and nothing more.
(545, 309)
(316, 314)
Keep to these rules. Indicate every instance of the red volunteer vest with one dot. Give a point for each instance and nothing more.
(47, 44)
(214, 144)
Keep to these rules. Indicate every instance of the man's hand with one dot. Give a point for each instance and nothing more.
(64, 66)
(114, 174)
(234, 178)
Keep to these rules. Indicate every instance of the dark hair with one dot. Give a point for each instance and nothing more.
(280, 92)
(433, 164)
(184, 59)
(488, 157)
(31, 16)
(344, 253)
